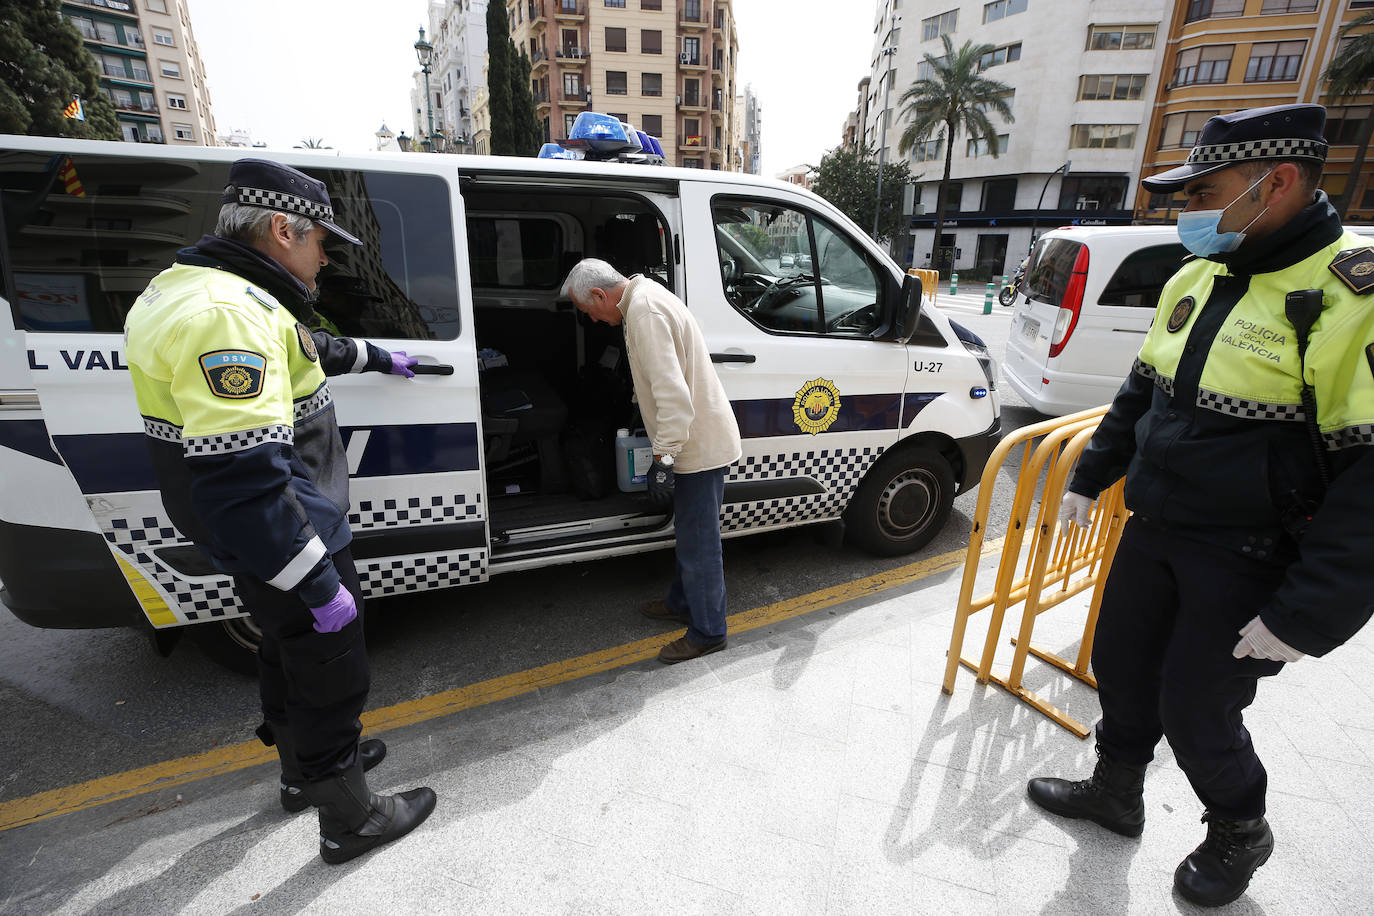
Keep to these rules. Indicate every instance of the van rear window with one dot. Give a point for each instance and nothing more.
(1142, 275)
(1050, 268)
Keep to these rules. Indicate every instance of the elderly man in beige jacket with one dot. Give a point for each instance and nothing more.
(694, 435)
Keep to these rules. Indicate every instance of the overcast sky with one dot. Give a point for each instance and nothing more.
(285, 70)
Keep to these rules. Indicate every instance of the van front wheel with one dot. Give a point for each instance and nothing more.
(902, 503)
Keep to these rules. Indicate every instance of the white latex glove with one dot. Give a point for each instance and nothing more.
(1077, 509)
(1257, 641)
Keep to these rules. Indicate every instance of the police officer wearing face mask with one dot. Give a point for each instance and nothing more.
(1245, 433)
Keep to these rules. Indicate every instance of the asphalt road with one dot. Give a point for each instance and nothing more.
(80, 705)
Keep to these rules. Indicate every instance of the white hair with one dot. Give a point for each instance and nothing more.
(589, 274)
(247, 224)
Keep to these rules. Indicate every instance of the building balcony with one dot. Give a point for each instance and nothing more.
(135, 107)
(539, 62)
(691, 61)
(137, 74)
(537, 14)
(571, 56)
(569, 10)
(577, 97)
(692, 16)
(693, 143)
(119, 7)
(694, 102)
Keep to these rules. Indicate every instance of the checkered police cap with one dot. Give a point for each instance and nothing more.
(1277, 132)
(262, 183)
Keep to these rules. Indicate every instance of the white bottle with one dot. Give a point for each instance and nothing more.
(633, 455)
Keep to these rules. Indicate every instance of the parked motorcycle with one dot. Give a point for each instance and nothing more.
(1007, 295)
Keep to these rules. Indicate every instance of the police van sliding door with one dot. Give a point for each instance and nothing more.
(788, 299)
(86, 232)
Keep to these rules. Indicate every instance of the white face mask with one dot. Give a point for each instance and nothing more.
(1198, 229)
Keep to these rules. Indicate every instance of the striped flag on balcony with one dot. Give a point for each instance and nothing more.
(67, 174)
(74, 110)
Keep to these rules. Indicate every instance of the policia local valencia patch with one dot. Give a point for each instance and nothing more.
(1356, 269)
(234, 373)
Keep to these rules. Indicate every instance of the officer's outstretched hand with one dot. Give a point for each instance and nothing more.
(337, 614)
(1076, 509)
(401, 364)
(660, 480)
(1257, 641)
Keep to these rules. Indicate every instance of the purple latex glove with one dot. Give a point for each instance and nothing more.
(400, 364)
(337, 614)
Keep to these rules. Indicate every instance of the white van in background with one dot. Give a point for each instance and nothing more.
(1083, 310)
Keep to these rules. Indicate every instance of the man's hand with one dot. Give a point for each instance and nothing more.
(1256, 641)
(660, 479)
(401, 364)
(337, 614)
(1076, 509)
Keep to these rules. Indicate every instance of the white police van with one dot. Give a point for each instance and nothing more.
(853, 402)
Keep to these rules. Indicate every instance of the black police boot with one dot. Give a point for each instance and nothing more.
(1219, 870)
(1114, 797)
(371, 752)
(354, 821)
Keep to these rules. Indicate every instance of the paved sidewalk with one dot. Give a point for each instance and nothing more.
(814, 767)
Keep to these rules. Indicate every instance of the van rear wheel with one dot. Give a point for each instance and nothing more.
(902, 502)
(232, 643)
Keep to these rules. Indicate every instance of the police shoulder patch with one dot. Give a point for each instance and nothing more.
(235, 374)
(307, 343)
(1179, 316)
(1355, 267)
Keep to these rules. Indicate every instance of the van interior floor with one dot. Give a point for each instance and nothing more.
(531, 510)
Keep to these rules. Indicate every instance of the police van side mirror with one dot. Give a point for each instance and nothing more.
(909, 308)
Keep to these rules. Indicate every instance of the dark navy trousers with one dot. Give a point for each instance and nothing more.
(1171, 614)
(698, 589)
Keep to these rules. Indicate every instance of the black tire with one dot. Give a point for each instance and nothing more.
(232, 643)
(1007, 296)
(903, 502)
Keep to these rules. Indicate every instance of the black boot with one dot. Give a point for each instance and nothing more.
(354, 821)
(371, 751)
(1219, 870)
(1114, 797)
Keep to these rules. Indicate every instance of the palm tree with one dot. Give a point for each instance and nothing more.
(312, 143)
(955, 98)
(1350, 73)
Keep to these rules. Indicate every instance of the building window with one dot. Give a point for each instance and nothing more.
(925, 70)
(615, 39)
(1003, 55)
(650, 41)
(1110, 87)
(651, 4)
(1343, 124)
(651, 84)
(691, 51)
(691, 132)
(691, 162)
(572, 86)
(105, 31)
(183, 132)
(1274, 61)
(1102, 136)
(1180, 130)
(617, 82)
(983, 147)
(176, 101)
(1000, 9)
(157, 6)
(163, 37)
(155, 133)
(943, 24)
(1092, 192)
(1289, 6)
(616, 4)
(568, 120)
(954, 196)
(1121, 37)
(1209, 64)
(999, 194)
(1213, 9)
(928, 150)
(170, 68)
(652, 124)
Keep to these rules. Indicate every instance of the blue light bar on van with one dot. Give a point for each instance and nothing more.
(597, 133)
(554, 151)
(632, 144)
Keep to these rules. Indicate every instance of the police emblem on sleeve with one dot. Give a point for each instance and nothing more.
(234, 374)
(1179, 316)
(817, 406)
(1356, 269)
(307, 343)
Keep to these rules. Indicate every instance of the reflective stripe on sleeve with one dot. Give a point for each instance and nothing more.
(292, 574)
(359, 361)
(226, 443)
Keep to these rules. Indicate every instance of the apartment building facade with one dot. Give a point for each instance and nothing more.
(665, 66)
(1226, 55)
(458, 31)
(150, 67)
(1082, 74)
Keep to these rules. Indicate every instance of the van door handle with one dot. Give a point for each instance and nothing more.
(432, 369)
(732, 357)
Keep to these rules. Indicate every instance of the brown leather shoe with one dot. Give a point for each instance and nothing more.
(683, 649)
(658, 610)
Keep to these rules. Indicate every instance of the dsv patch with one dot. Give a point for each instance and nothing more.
(1356, 269)
(234, 374)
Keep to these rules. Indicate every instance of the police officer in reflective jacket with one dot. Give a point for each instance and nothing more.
(1244, 432)
(240, 426)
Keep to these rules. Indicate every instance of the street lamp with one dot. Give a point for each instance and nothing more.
(424, 53)
(1035, 220)
(882, 141)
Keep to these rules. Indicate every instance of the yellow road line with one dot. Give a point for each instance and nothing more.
(168, 774)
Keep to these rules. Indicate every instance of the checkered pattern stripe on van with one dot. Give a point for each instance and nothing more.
(433, 508)
(1163, 382)
(838, 470)
(396, 576)
(1250, 410)
(1362, 434)
(137, 537)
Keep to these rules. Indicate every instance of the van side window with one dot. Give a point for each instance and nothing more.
(517, 252)
(792, 271)
(84, 235)
(1141, 276)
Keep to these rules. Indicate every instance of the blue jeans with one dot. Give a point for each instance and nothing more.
(698, 589)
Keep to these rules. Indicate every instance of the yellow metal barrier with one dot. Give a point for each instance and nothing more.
(1059, 562)
(930, 281)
